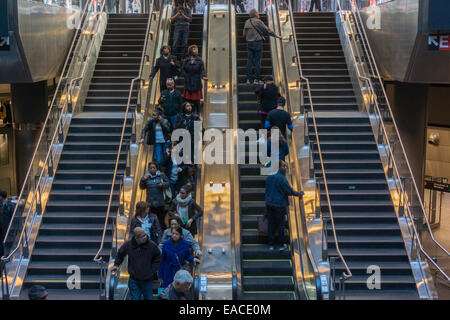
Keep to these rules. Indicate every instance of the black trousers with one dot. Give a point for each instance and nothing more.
(315, 3)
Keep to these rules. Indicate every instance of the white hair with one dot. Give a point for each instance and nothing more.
(182, 277)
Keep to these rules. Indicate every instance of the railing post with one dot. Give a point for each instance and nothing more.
(390, 170)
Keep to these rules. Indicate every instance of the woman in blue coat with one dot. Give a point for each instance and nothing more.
(175, 253)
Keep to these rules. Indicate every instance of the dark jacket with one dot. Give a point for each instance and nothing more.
(6, 212)
(180, 21)
(166, 70)
(169, 262)
(187, 122)
(170, 293)
(194, 212)
(172, 103)
(268, 95)
(193, 70)
(255, 30)
(150, 131)
(143, 260)
(278, 190)
(155, 229)
(155, 194)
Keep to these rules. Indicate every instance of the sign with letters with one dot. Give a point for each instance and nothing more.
(439, 42)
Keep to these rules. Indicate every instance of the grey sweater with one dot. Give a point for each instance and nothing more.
(251, 34)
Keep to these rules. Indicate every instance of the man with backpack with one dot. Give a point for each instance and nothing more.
(255, 32)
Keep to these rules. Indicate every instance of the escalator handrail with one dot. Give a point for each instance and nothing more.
(347, 274)
(98, 257)
(50, 111)
(403, 193)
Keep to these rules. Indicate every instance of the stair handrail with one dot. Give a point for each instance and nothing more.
(347, 274)
(384, 131)
(98, 258)
(49, 113)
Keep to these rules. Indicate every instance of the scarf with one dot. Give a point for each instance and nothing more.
(183, 208)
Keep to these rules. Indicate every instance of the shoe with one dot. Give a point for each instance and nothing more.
(271, 248)
(256, 81)
(248, 81)
(281, 249)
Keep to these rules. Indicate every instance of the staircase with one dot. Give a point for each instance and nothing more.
(366, 224)
(72, 226)
(266, 275)
(195, 37)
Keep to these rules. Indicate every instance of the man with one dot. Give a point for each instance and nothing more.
(254, 32)
(315, 3)
(167, 65)
(172, 101)
(181, 18)
(268, 95)
(144, 259)
(179, 289)
(277, 192)
(279, 118)
(37, 293)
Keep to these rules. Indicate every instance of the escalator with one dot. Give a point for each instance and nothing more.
(366, 224)
(72, 226)
(265, 274)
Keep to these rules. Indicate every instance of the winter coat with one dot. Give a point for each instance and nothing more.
(193, 70)
(150, 131)
(187, 236)
(278, 190)
(172, 103)
(166, 70)
(155, 229)
(143, 260)
(194, 212)
(169, 262)
(155, 194)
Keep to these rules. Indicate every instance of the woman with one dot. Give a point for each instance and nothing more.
(155, 182)
(175, 254)
(185, 207)
(147, 221)
(193, 70)
(175, 222)
(158, 132)
(167, 65)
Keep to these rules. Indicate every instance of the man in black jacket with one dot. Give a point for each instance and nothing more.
(172, 101)
(168, 67)
(144, 259)
(268, 95)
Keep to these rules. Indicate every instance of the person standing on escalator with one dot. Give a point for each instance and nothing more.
(181, 18)
(168, 67)
(315, 3)
(268, 95)
(255, 32)
(277, 192)
(193, 70)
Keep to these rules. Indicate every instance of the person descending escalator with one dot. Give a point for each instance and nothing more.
(315, 3)
(172, 102)
(187, 122)
(144, 259)
(158, 133)
(157, 186)
(168, 67)
(185, 207)
(255, 32)
(277, 192)
(176, 254)
(176, 222)
(268, 94)
(181, 18)
(146, 220)
(179, 289)
(193, 70)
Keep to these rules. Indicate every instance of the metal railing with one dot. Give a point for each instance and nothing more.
(406, 200)
(124, 145)
(347, 274)
(32, 198)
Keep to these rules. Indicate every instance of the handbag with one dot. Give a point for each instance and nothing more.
(263, 225)
(187, 266)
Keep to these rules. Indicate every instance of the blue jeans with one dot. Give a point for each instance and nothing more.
(180, 34)
(276, 218)
(254, 59)
(172, 119)
(159, 150)
(140, 288)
